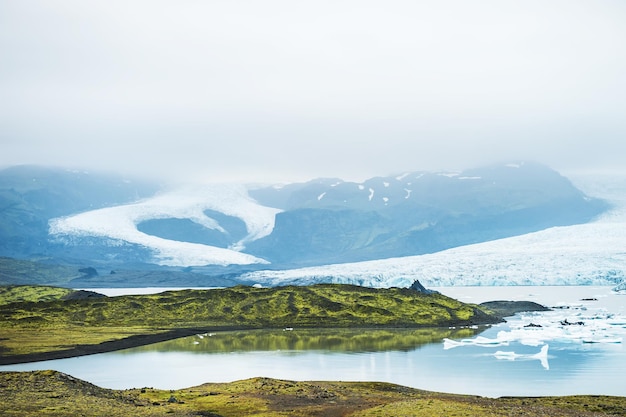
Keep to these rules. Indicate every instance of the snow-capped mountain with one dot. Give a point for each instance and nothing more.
(332, 221)
(592, 253)
(229, 229)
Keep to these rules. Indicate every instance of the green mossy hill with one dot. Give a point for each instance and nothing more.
(64, 328)
(51, 393)
(41, 293)
(324, 305)
(31, 293)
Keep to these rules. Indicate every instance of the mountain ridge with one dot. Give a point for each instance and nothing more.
(228, 230)
(584, 254)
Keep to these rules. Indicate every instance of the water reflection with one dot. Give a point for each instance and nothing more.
(412, 357)
(332, 340)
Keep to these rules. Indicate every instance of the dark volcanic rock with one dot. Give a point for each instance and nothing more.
(417, 286)
(81, 295)
(89, 272)
(510, 308)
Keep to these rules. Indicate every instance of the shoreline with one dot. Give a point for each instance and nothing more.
(104, 347)
(506, 308)
(148, 339)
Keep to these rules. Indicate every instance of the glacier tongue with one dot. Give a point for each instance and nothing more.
(120, 223)
(586, 254)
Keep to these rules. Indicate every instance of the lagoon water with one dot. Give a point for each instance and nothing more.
(561, 357)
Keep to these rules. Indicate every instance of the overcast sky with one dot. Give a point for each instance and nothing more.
(288, 89)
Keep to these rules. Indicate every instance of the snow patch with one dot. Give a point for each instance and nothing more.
(319, 197)
(408, 193)
(371, 194)
(402, 176)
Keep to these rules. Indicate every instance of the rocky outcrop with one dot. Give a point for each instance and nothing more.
(509, 308)
(417, 286)
(81, 295)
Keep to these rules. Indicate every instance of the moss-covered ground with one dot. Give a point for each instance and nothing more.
(29, 328)
(50, 393)
(31, 293)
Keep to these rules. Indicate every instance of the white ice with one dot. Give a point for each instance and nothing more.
(542, 356)
(566, 324)
(119, 223)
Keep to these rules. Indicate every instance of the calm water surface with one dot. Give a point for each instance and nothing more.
(508, 364)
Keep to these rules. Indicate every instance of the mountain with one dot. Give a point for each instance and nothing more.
(32, 195)
(114, 223)
(582, 254)
(331, 221)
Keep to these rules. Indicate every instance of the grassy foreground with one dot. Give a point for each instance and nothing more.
(61, 328)
(50, 393)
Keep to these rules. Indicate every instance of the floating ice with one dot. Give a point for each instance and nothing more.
(542, 356)
(477, 341)
(569, 324)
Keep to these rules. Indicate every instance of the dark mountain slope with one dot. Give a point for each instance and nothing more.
(329, 221)
(32, 195)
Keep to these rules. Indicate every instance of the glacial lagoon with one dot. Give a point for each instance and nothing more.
(577, 348)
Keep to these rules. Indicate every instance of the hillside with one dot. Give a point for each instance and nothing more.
(81, 275)
(46, 393)
(76, 327)
(332, 221)
(32, 195)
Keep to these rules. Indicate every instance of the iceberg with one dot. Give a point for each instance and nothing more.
(477, 341)
(542, 356)
(620, 288)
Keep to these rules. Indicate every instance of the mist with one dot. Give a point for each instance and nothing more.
(282, 90)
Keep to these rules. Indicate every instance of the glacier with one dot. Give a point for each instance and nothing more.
(119, 223)
(587, 254)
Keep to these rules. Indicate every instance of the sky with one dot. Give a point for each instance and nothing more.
(277, 90)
